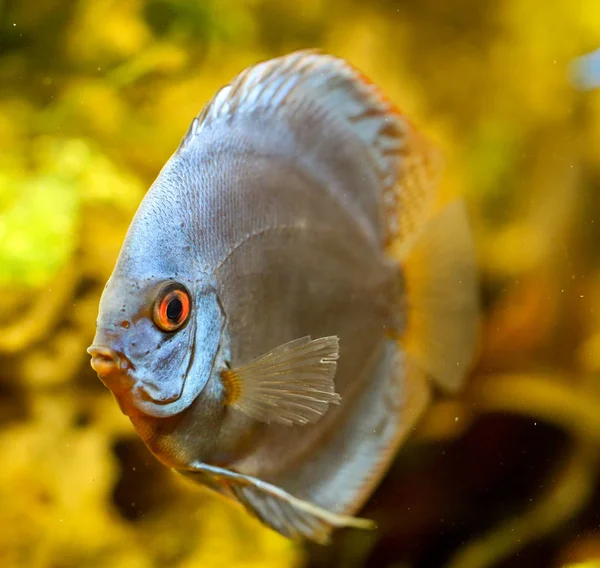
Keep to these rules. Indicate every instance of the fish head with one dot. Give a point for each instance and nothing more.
(160, 320)
(156, 343)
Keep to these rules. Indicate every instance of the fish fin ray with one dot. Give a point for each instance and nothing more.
(284, 513)
(406, 164)
(292, 384)
(411, 202)
(442, 296)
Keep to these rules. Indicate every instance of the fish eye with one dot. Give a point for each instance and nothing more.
(172, 307)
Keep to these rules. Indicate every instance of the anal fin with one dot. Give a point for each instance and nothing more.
(284, 513)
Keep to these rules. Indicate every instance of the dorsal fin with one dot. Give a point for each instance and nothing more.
(307, 77)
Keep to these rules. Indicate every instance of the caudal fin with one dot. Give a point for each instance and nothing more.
(442, 297)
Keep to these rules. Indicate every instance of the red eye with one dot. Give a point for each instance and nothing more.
(171, 308)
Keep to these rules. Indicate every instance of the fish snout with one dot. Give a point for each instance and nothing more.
(106, 361)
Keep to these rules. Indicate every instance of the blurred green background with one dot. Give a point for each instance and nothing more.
(94, 97)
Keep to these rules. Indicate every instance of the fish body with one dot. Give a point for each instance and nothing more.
(256, 326)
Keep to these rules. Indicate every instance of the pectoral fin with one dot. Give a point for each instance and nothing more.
(284, 513)
(292, 384)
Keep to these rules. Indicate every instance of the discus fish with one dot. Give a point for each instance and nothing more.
(285, 292)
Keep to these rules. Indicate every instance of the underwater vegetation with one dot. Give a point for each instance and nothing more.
(94, 97)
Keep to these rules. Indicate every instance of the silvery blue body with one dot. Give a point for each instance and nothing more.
(298, 206)
(278, 234)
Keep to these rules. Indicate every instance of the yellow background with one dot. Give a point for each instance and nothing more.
(95, 96)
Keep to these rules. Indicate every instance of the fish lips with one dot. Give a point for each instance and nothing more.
(107, 362)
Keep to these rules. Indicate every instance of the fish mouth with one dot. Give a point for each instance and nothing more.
(106, 361)
(114, 369)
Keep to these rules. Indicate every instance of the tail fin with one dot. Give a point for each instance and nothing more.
(442, 297)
